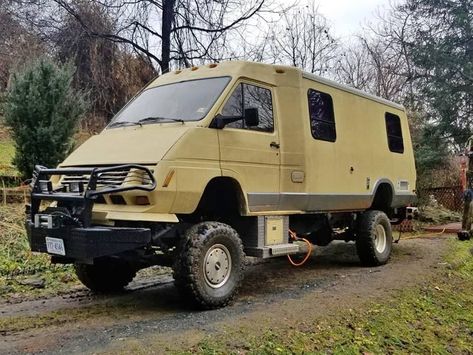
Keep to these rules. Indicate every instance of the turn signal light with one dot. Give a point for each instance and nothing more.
(168, 178)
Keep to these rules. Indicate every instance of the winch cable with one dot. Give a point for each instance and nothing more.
(294, 237)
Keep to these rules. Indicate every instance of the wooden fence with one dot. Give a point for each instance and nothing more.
(14, 194)
(450, 197)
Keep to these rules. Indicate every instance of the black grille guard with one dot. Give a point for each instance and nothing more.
(90, 182)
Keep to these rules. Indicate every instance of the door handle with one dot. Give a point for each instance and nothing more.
(274, 145)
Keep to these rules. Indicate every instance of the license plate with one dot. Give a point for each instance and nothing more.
(55, 246)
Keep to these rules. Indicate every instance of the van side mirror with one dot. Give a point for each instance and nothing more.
(221, 121)
(251, 117)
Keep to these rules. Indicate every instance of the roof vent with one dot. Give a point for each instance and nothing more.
(280, 71)
(194, 68)
(213, 65)
(177, 71)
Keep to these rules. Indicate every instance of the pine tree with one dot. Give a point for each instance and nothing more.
(442, 50)
(42, 110)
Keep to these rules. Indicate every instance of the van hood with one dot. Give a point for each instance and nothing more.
(146, 144)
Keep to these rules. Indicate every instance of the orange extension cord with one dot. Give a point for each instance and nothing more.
(419, 235)
(294, 236)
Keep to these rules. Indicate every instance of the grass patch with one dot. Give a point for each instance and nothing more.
(435, 318)
(435, 215)
(7, 152)
(22, 271)
(8, 172)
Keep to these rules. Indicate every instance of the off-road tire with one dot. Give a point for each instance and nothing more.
(188, 269)
(105, 275)
(366, 238)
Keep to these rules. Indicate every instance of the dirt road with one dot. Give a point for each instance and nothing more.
(151, 317)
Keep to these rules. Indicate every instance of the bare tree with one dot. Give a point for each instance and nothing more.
(302, 38)
(94, 58)
(17, 44)
(379, 61)
(354, 67)
(163, 31)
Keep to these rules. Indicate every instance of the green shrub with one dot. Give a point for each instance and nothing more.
(43, 110)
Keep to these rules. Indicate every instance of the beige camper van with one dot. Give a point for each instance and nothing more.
(211, 163)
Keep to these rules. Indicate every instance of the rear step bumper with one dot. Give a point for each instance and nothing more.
(88, 243)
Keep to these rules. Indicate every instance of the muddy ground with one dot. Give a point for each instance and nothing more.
(151, 317)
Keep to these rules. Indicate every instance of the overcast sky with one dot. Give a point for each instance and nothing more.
(347, 16)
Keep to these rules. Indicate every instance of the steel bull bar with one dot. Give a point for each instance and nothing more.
(65, 230)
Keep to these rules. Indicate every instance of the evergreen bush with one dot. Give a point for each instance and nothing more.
(43, 110)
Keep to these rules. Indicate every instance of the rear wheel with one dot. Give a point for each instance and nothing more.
(105, 275)
(210, 265)
(374, 238)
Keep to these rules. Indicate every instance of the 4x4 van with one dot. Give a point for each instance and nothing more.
(210, 163)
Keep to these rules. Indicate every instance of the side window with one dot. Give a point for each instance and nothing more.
(394, 132)
(251, 96)
(322, 119)
(234, 105)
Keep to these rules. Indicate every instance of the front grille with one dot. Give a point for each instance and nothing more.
(82, 186)
(110, 179)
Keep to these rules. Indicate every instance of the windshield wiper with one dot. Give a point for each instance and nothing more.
(151, 119)
(120, 123)
(143, 120)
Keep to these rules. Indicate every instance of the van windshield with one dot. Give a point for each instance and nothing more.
(183, 101)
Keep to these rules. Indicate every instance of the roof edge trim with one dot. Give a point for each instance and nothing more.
(349, 89)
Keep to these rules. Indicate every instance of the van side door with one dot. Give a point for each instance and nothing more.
(251, 154)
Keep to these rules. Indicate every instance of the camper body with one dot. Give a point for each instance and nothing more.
(210, 163)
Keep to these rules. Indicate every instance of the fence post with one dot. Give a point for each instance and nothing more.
(4, 192)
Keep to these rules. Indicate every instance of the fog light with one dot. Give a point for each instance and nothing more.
(76, 186)
(141, 200)
(45, 186)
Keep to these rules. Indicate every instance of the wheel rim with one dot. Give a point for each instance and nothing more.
(217, 266)
(380, 238)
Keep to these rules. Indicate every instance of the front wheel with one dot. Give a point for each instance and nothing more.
(106, 275)
(374, 238)
(210, 265)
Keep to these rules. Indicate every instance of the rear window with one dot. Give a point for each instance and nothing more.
(394, 132)
(322, 119)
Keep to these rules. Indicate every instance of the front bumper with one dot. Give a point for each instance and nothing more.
(70, 222)
(89, 243)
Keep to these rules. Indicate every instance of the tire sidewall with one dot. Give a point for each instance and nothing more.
(105, 275)
(381, 219)
(227, 289)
